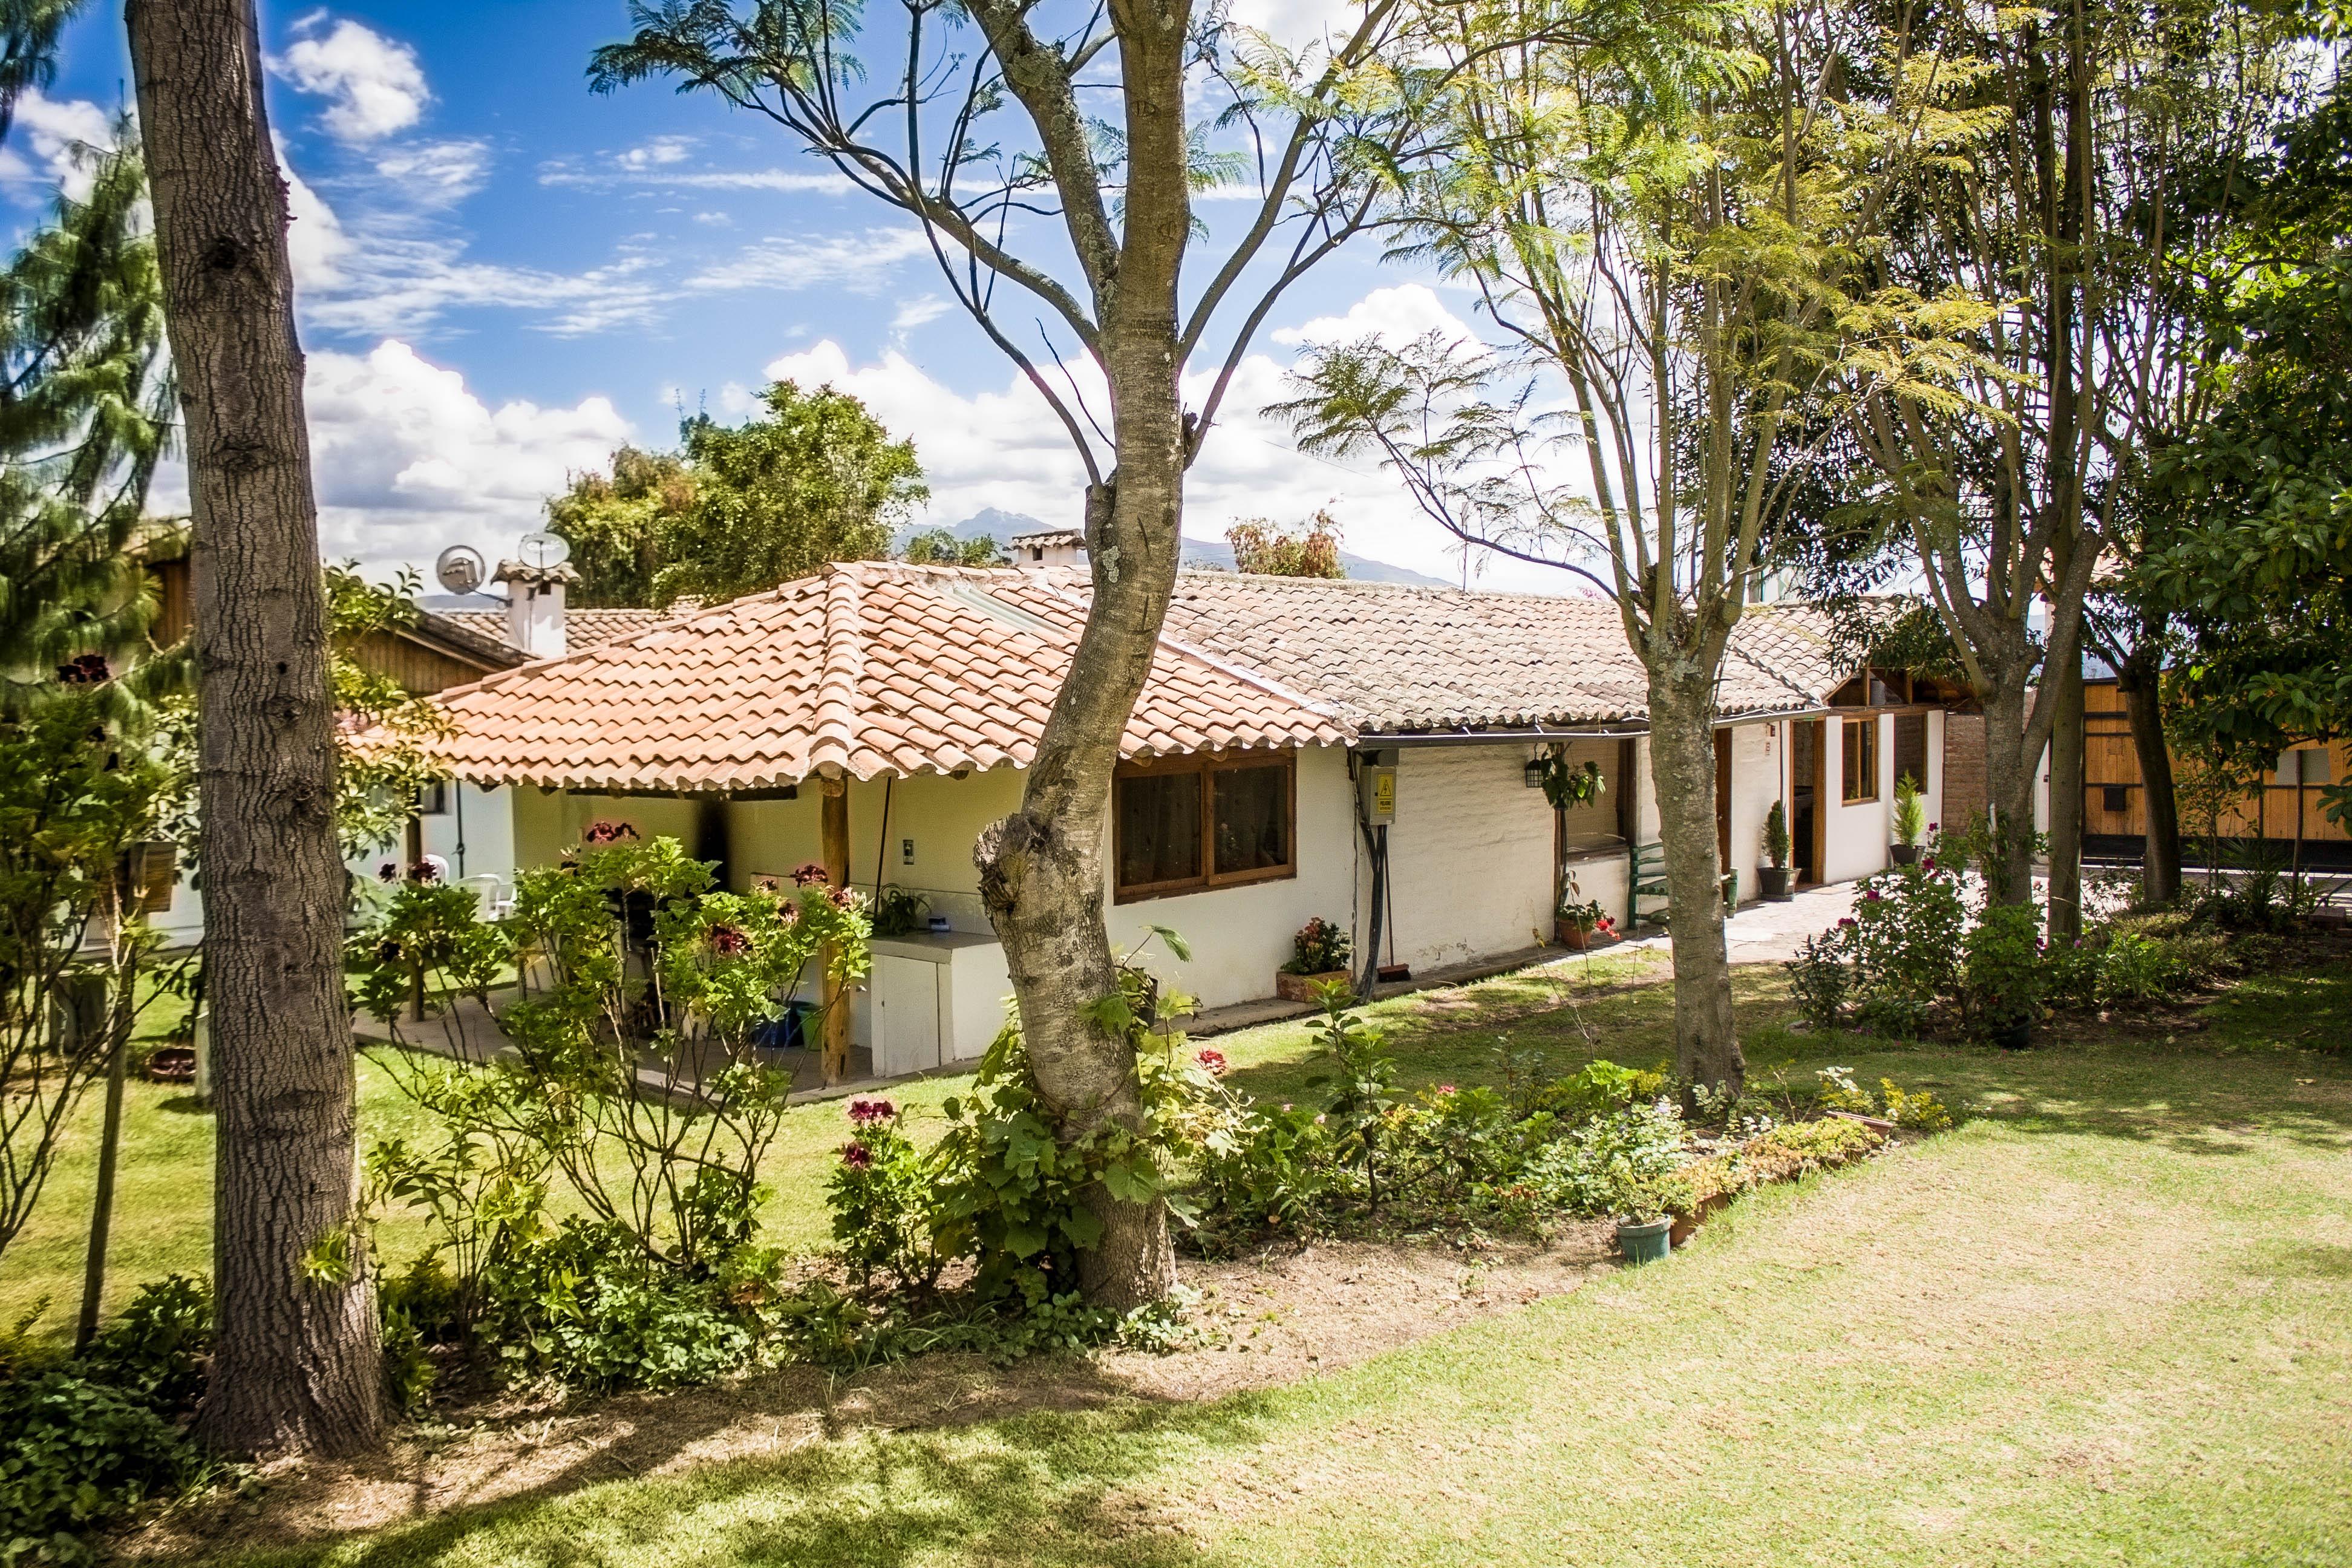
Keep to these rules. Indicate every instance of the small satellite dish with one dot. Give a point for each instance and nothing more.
(543, 549)
(460, 569)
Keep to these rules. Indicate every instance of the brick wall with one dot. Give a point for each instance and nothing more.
(1964, 767)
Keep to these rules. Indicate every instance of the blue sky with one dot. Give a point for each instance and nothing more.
(501, 276)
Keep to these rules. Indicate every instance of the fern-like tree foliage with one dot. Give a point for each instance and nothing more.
(86, 404)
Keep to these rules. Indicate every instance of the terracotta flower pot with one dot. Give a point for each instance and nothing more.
(1302, 988)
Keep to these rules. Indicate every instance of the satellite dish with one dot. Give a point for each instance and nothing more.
(543, 549)
(460, 569)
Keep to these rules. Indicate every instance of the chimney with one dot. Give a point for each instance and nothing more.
(1052, 547)
(535, 606)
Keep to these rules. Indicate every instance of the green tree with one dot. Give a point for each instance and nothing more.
(814, 479)
(2256, 559)
(86, 414)
(619, 526)
(1663, 211)
(1050, 159)
(940, 547)
(1306, 550)
(740, 507)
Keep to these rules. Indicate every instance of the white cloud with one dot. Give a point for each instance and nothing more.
(437, 172)
(1396, 316)
(860, 263)
(373, 84)
(409, 460)
(658, 152)
(65, 135)
(1006, 448)
(915, 312)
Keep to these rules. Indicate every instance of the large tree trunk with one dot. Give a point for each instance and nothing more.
(1682, 772)
(2067, 744)
(2009, 792)
(1042, 867)
(296, 1364)
(2160, 864)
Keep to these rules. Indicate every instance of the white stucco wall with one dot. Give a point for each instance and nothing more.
(1240, 936)
(475, 834)
(1471, 856)
(1758, 753)
(1855, 837)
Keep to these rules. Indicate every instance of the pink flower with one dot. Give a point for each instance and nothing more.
(1211, 1062)
(424, 871)
(1846, 921)
(857, 1156)
(1445, 1088)
(388, 872)
(808, 874)
(607, 833)
(1872, 896)
(729, 943)
(842, 896)
(1927, 862)
(865, 1113)
(90, 670)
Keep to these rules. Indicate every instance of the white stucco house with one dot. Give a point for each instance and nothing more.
(913, 697)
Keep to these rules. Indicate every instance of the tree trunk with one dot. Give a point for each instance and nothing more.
(296, 1364)
(2067, 741)
(1682, 772)
(2160, 863)
(2009, 793)
(1040, 869)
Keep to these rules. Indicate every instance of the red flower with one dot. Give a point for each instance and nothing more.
(388, 872)
(856, 1156)
(424, 871)
(1445, 1088)
(729, 943)
(1846, 921)
(842, 896)
(606, 833)
(808, 874)
(90, 670)
(1211, 1062)
(865, 1113)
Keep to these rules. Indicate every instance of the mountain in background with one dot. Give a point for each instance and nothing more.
(1001, 525)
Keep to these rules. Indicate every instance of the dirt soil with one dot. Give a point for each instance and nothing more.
(1276, 1318)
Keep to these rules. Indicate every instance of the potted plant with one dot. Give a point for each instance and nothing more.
(1568, 787)
(1319, 954)
(1644, 1206)
(1582, 926)
(1772, 878)
(1910, 820)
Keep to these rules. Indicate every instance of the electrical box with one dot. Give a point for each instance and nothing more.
(1377, 784)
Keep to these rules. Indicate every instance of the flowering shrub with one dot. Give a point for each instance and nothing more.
(886, 1214)
(1320, 947)
(635, 1088)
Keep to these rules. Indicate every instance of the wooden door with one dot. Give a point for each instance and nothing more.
(1723, 799)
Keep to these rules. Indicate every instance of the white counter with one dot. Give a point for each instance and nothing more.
(935, 999)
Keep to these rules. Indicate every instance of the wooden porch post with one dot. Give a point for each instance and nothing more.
(834, 834)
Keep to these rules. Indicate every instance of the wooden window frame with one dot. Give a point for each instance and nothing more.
(1868, 723)
(1207, 765)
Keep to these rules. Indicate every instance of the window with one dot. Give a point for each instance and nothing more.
(1860, 781)
(1183, 824)
(432, 799)
(2114, 798)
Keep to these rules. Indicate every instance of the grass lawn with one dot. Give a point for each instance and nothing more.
(2107, 1320)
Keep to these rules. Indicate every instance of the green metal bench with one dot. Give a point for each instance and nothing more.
(1648, 881)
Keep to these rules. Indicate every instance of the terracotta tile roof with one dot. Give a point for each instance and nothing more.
(582, 628)
(867, 669)
(1396, 658)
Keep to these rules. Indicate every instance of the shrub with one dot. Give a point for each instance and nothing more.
(1585, 1171)
(1821, 978)
(2005, 968)
(81, 1452)
(886, 1214)
(1320, 947)
(88, 1440)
